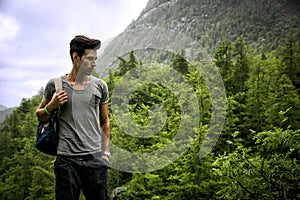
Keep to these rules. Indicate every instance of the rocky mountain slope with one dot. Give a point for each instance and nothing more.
(263, 24)
(4, 112)
(2, 107)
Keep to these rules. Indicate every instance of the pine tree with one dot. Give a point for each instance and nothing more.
(290, 55)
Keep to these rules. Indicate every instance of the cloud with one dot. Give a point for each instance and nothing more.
(35, 36)
(8, 28)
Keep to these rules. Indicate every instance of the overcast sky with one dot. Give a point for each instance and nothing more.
(35, 36)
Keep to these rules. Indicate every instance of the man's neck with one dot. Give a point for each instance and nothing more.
(78, 78)
(78, 83)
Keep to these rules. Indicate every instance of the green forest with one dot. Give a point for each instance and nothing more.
(256, 156)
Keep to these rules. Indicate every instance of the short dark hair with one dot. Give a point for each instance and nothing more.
(81, 43)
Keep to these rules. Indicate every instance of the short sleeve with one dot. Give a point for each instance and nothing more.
(49, 90)
(105, 95)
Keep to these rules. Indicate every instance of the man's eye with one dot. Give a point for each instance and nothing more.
(91, 59)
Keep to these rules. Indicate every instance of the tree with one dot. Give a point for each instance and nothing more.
(25, 172)
(270, 170)
(126, 66)
(258, 92)
(180, 63)
(223, 60)
(290, 56)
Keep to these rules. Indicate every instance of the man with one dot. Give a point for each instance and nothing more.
(83, 150)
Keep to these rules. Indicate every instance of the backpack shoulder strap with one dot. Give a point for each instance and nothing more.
(58, 84)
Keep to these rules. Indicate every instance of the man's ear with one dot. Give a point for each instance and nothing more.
(75, 56)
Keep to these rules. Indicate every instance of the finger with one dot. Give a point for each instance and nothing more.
(63, 99)
(61, 92)
(54, 97)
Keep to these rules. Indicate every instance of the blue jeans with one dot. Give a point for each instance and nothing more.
(86, 173)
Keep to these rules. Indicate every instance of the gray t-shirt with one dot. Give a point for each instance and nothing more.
(80, 132)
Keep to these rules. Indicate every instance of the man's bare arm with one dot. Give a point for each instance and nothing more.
(105, 127)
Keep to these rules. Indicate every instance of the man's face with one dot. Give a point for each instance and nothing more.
(88, 62)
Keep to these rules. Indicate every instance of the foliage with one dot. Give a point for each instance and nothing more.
(25, 172)
(256, 157)
(268, 170)
(256, 48)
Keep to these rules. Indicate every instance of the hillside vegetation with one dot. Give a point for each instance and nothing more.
(257, 152)
(256, 156)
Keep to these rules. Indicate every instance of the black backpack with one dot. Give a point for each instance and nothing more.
(47, 132)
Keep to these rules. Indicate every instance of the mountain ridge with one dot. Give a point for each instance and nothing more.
(262, 24)
(2, 107)
(267, 15)
(5, 112)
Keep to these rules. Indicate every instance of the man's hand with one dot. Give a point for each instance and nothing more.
(57, 100)
(105, 157)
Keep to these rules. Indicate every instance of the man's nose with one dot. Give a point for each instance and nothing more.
(93, 63)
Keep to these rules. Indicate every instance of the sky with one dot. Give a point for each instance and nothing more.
(35, 37)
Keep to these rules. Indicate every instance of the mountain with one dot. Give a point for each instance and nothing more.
(262, 24)
(2, 107)
(4, 112)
